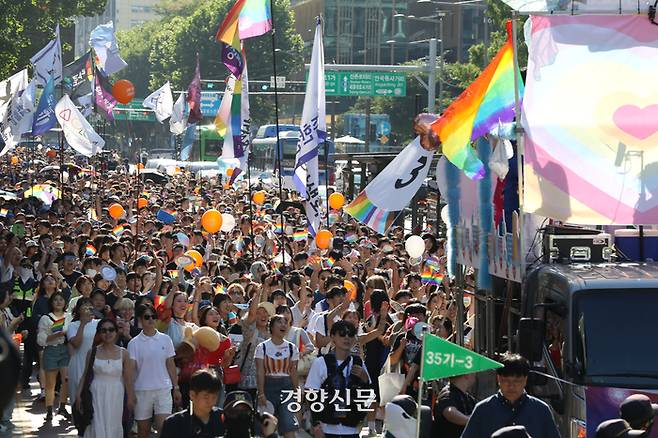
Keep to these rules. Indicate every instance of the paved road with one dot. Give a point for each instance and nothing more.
(30, 418)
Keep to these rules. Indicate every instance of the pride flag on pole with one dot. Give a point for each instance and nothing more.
(486, 103)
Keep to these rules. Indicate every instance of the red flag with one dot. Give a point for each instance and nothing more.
(194, 96)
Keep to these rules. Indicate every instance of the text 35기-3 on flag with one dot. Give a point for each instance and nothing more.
(313, 132)
(442, 359)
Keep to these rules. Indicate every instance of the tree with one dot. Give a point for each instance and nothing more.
(166, 50)
(29, 25)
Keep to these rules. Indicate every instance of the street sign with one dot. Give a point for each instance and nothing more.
(365, 83)
(280, 81)
(133, 111)
(210, 101)
(442, 358)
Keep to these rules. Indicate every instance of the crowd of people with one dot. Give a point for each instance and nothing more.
(126, 332)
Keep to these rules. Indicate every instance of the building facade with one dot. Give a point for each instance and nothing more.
(125, 14)
(389, 31)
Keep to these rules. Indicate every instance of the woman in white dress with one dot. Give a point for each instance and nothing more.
(81, 333)
(111, 378)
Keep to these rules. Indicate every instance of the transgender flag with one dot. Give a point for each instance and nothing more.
(255, 18)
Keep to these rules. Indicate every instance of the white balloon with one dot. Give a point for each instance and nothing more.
(415, 246)
(228, 222)
(445, 215)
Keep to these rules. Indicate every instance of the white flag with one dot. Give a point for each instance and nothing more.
(19, 117)
(178, 120)
(48, 61)
(245, 116)
(104, 43)
(161, 101)
(10, 96)
(77, 131)
(313, 132)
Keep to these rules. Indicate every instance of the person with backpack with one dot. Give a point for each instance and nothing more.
(335, 380)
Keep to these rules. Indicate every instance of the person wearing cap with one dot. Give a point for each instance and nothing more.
(639, 412)
(202, 418)
(618, 428)
(511, 405)
(156, 379)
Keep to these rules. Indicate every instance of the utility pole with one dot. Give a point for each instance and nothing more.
(431, 80)
(442, 64)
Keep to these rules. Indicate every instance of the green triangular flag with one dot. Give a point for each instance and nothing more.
(442, 358)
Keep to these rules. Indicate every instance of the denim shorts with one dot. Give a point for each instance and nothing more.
(55, 357)
(274, 387)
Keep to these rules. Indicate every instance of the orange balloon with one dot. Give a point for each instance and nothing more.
(351, 289)
(259, 197)
(116, 211)
(196, 255)
(336, 200)
(211, 221)
(123, 91)
(142, 203)
(323, 239)
(51, 153)
(229, 172)
(14, 160)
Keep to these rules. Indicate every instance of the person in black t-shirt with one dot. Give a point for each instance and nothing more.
(453, 407)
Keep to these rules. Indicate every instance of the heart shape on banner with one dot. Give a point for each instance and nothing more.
(640, 123)
(65, 115)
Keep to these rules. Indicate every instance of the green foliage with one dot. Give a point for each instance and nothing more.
(166, 50)
(28, 25)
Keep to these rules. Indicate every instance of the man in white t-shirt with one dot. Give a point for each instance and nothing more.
(152, 356)
(336, 297)
(343, 336)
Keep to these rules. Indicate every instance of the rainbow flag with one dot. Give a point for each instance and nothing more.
(58, 326)
(486, 103)
(329, 262)
(90, 250)
(299, 236)
(247, 18)
(158, 301)
(232, 318)
(363, 210)
(219, 289)
(118, 230)
(278, 228)
(429, 276)
(275, 268)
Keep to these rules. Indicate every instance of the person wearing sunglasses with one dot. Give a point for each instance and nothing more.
(112, 376)
(339, 372)
(152, 356)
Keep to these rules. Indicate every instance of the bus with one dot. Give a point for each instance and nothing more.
(210, 143)
(264, 156)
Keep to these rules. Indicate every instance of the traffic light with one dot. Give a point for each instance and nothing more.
(265, 87)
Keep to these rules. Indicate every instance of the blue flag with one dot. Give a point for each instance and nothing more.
(188, 142)
(45, 119)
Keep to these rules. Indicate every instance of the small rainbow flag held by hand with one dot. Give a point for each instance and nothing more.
(90, 250)
(486, 103)
(366, 212)
(329, 262)
(232, 318)
(351, 238)
(219, 289)
(58, 326)
(300, 236)
(278, 228)
(118, 230)
(430, 277)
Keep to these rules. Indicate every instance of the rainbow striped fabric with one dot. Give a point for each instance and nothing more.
(329, 262)
(118, 230)
(486, 103)
(278, 228)
(247, 18)
(299, 236)
(219, 289)
(430, 276)
(90, 250)
(232, 318)
(363, 210)
(351, 238)
(58, 326)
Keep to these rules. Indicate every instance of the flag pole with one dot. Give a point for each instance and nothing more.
(251, 209)
(420, 387)
(279, 147)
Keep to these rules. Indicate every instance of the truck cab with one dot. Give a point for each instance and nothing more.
(589, 326)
